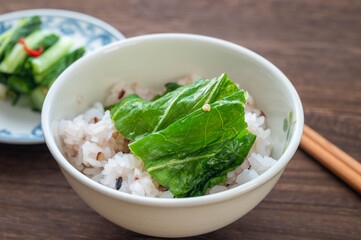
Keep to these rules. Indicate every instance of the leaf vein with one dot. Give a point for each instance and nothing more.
(167, 110)
(179, 161)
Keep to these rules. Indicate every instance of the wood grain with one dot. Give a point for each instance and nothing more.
(334, 159)
(316, 43)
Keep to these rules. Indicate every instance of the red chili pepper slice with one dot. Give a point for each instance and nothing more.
(31, 52)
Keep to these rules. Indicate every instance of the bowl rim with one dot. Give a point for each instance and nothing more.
(181, 202)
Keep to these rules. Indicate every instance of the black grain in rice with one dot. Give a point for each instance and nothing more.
(118, 183)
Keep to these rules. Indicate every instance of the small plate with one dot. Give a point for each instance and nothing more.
(19, 124)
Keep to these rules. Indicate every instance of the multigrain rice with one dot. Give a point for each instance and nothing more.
(94, 147)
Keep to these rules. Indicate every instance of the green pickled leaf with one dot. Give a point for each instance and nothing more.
(46, 42)
(20, 84)
(14, 96)
(18, 68)
(196, 152)
(37, 97)
(156, 115)
(49, 77)
(185, 148)
(211, 166)
(3, 78)
(16, 57)
(195, 131)
(24, 28)
(51, 56)
(192, 174)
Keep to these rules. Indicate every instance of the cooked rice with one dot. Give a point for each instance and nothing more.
(93, 132)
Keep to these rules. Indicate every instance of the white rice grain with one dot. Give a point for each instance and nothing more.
(246, 175)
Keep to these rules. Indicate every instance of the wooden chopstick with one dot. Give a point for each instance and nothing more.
(337, 161)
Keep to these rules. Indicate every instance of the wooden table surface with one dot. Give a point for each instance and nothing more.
(316, 43)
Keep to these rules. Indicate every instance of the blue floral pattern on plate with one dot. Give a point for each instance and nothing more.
(86, 30)
(35, 134)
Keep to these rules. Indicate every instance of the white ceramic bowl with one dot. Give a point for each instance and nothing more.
(154, 60)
